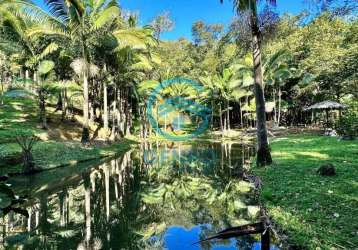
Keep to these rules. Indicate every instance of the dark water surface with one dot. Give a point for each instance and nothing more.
(157, 196)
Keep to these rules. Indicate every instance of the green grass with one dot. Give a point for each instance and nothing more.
(315, 212)
(51, 154)
(19, 114)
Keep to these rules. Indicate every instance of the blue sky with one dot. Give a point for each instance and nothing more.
(185, 12)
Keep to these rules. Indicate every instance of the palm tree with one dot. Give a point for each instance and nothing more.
(80, 21)
(250, 6)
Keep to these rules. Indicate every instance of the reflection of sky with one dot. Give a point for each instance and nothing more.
(179, 238)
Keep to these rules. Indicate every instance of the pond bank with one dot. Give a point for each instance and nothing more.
(313, 211)
(51, 154)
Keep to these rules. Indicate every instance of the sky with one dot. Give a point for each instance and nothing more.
(185, 12)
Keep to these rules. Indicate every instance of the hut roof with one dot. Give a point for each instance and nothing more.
(326, 105)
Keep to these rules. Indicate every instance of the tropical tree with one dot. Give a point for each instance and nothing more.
(80, 21)
(45, 75)
(276, 72)
(251, 7)
(162, 23)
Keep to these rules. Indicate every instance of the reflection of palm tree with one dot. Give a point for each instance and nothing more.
(87, 186)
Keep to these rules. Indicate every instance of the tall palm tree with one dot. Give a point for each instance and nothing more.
(80, 20)
(251, 7)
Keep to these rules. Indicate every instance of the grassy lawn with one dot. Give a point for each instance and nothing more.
(19, 113)
(315, 212)
(56, 147)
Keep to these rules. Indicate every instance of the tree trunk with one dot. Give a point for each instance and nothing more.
(26, 79)
(43, 107)
(263, 151)
(221, 121)
(2, 89)
(35, 81)
(228, 115)
(64, 102)
(212, 114)
(85, 126)
(115, 111)
(241, 118)
(105, 106)
(274, 107)
(279, 107)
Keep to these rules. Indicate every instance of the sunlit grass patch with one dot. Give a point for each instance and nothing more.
(283, 154)
(314, 211)
(314, 155)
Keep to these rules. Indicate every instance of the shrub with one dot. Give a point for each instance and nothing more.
(347, 125)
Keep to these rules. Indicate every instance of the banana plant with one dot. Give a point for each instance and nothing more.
(276, 72)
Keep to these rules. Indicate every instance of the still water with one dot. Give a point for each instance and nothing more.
(155, 196)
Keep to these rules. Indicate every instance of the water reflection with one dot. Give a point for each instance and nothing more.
(154, 197)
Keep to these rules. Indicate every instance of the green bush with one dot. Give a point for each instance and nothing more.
(347, 125)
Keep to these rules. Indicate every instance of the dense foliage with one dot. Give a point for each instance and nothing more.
(306, 59)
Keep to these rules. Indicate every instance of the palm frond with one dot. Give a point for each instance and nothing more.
(138, 38)
(52, 47)
(106, 16)
(45, 29)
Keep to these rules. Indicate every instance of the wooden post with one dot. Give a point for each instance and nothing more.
(265, 240)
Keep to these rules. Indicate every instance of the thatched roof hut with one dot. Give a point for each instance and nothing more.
(326, 105)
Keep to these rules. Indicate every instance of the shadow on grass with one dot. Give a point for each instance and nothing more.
(314, 211)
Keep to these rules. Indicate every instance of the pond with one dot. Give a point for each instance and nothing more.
(155, 196)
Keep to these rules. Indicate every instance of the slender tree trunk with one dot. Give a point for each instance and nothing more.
(42, 100)
(85, 125)
(274, 103)
(2, 89)
(212, 114)
(115, 114)
(27, 79)
(241, 118)
(263, 151)
(228, 115)
(279, 106)
(221, 120)
(64, 102)
(35, 82)
(105, 106)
